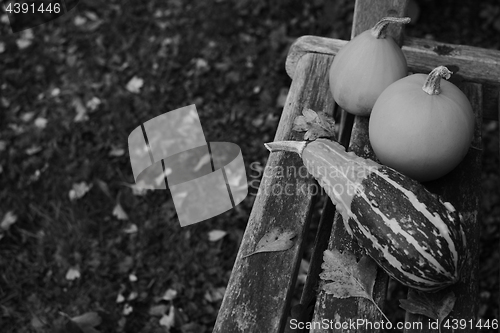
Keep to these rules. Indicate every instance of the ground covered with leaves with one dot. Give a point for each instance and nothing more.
(81, 248)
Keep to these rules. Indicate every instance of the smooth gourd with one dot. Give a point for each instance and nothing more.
(365, 66)
(413, 235)
(422, 126)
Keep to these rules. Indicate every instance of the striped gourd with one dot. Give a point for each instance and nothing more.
(413, 235)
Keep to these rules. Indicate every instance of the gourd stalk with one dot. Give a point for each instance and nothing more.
(379, 31)
(432, 84)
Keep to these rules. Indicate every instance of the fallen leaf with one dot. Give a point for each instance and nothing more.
(93, 103)
(81, 110)
(33, 150)
(127, 309)
(91, 319)
(2, 47)
(119, 212)
(169, 295)
(315, 124)
(120, 298)
(168, 320)
(274, 241)
(158, 310)
(26, 39)
(135, 84)
(79, 20)
(8, 219)
(215, 235)
(73, 273)
(79, 190)
(117, 152)
(349, 278)
(126, 264)
(435, 306)
(36, 323)
(40, 122)
(55, 92)
(131, 229)
(214, 295)
(103, 187)
(27, 116)
(138, 189)
(133, 295)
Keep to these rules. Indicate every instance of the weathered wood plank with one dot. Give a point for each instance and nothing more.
(462, 188)
(468, 63)
(346, 311)
(260, 288)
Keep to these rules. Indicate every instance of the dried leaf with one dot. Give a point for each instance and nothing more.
(103, 186)
(40, 122)
(33, 150)
(435, 306)
(158, 310)
(93, 103)
(349, 278)
(315, 124)
(135, 84)
(116, 151)
(91, 319)
(119, 212)
(215, 235)
(131, 229)
(73, 273)
(169, 295)
(168, 320)
(79, 190)
(214, 295)
(81, 110)
(120, 298)
(26, 39)
(127, 309)
(8, 219)
(274, 241)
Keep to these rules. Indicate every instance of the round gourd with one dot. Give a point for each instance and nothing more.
(423, 133)
(365, 66)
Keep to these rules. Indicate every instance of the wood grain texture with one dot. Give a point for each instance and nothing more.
(329, 308)
(462, 188)
(468, 63)
(259, 291)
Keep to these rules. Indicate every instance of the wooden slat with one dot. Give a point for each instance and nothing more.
(260, 288)
(468, 63)
(345, 311)
(462, 188)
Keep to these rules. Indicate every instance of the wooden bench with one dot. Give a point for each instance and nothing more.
(260, 289)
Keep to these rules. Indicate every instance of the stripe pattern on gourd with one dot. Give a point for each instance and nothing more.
(415, 237)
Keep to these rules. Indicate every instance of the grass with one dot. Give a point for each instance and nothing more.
(227, 57)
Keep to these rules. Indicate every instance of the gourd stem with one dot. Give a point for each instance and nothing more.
(291, 146)
(379, 31)
(432, 84)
